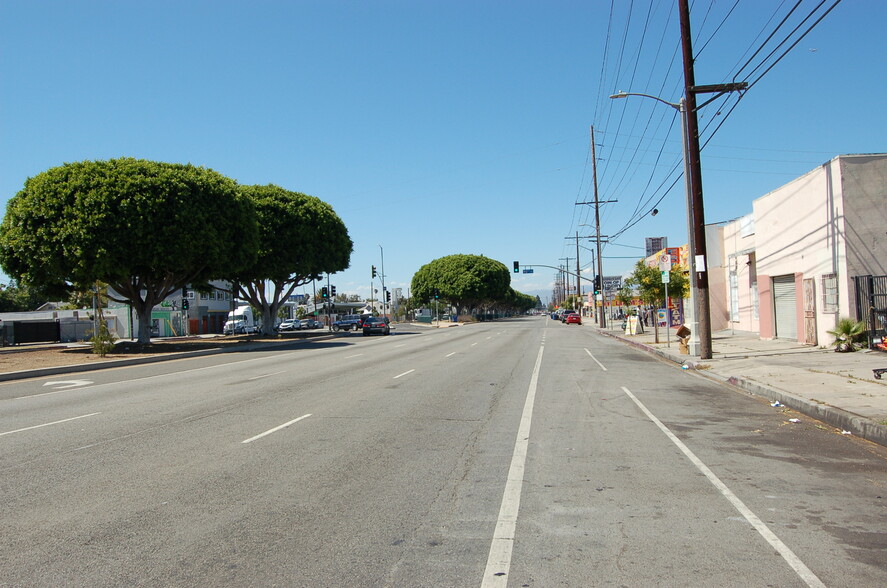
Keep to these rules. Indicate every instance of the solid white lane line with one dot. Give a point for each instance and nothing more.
(401, 345)
(499, 559)
(595, 359)
(52, 423)
(275, 429)
(787, 554)
(451, 354)
(266, 376)
(352, 356)
(403, 374)
(473, 344)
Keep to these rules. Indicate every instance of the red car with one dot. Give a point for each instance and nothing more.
(573, 318)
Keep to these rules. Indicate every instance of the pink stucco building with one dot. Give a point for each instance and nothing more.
(786, 269)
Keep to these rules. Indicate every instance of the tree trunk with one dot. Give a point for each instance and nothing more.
(268, 313)
(144, 313)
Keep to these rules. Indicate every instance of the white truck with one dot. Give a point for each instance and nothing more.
(241, 321)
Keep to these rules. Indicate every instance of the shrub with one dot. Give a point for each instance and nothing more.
(846, 333)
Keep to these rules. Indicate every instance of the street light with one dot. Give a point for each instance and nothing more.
(698, 298)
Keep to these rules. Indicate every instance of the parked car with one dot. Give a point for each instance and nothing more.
(573, 318)
(376, 324)
(565, 314)
(310, 323)
(290, 325)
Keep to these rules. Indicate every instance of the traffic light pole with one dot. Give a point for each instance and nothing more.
(560, 269)
(382, 277)
(326, 304)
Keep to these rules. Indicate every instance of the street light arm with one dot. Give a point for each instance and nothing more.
(658, 99)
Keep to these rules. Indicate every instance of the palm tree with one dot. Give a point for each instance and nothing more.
(845, 332)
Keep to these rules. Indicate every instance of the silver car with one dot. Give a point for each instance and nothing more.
(290, 325)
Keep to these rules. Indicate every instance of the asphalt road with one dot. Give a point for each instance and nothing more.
(520, 453)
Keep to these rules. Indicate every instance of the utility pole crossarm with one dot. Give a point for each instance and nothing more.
(719, 88)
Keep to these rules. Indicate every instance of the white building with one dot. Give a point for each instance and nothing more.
(787, 269)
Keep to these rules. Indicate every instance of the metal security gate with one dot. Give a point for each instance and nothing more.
(785, 304)
(871, 307)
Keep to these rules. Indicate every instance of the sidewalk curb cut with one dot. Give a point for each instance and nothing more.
(846, 421)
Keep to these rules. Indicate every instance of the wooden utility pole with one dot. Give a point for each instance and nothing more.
(597, 230)
(578, 285)
(699, 260)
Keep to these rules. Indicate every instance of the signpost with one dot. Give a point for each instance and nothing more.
(665, 268)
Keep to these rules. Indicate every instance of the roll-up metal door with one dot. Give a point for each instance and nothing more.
(786, 306)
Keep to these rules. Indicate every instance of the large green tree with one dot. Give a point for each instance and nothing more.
(144, 228)
(518, 302)
(300, 238)
(466, 281)
(16, 298)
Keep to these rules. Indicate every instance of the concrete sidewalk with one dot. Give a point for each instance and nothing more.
(837, 388)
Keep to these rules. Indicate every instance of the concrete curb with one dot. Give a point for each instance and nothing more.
(836, 417)
(91, 367)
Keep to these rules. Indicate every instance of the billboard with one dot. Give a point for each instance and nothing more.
(612, 284)
(654, 244)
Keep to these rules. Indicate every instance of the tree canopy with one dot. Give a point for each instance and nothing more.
(651, 290)
(300, 238)
(145, 228)
(466, 281)
(519, 302)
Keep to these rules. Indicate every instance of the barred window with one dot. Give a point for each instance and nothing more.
(829, 293)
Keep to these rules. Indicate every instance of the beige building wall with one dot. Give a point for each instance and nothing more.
(741, 289)
(818, 231)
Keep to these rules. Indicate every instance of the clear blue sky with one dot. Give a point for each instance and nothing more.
(442, 127)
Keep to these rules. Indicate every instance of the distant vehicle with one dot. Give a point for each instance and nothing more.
(310, 323)
(376, 324)
(554, 316)
(565, 314)
(241, 322)
(349, 322)
(290, 325)
(573, 318)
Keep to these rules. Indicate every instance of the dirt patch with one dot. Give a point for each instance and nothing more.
(13, 359)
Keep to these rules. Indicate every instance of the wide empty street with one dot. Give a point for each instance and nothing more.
(522, 452)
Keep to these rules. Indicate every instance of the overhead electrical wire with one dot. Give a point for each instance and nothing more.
(729, 103)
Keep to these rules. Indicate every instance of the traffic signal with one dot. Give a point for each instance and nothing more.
(332, 290)
(436, 293)
(184, 291)
(185, 304)
(374, 271)
(387, 296)
(516, 267)
(597, 284)
(324, 293)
